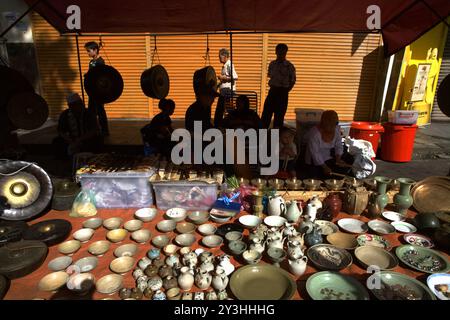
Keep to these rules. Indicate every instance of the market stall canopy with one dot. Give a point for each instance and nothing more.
(401, 21)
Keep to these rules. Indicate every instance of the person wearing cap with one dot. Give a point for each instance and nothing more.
(324, 148)
(78, 129)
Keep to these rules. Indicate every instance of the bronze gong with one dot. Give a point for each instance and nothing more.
(103, 83)
(155, 82)
(443, 96)
(27, 110)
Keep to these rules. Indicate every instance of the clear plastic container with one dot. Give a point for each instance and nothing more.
(119, 189)
(189, 195)
(403, 116)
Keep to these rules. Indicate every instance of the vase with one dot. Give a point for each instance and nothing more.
(382, 197)
(403, 199)
(373, 207)
(334, 202)
(186, 279)
(220, 279)
(203, 279)
(293, 213)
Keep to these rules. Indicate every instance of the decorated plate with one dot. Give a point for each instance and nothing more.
(422, 259)
(329, 257)
(418, 240)
(439, 284)
(373, 240)
(328, 285)
(326, 227)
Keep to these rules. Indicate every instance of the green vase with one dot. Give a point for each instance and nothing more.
(403, 199)
(382, 197)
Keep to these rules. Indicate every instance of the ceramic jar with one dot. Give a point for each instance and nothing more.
(306, 226)
(159, 295)
(136, 294)
(311, 211)
(211, 295)
(314, 237)
(199, 296)
(222, 295)
(334, 202)
(203, 279)
(165, 271)
(172, 260)
(276, 206)
(293, 213)
(170, 282)
(186, 279)
(206, 256)
(220, 279)
(137, 273)
(355, 200)
(190, 260)
(373, 208)
(144, 263)
(298, 266)
(151, 271)
(403, 199)
(315, 200)
(142, 283)
(382, 197)
(257, 245)
(148, 293)
(158, 262)
(124, 293)
(226, 264)
(153, 253)
(187, 296)
(155, 283)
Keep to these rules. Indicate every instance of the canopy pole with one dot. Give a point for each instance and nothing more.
(20, 18)
(231, 59)
(79, 69)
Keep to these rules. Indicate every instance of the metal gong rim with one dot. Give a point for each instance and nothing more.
(155, 82)
(27, 110)
(104, 84)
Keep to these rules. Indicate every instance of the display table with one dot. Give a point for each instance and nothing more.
(27, 287)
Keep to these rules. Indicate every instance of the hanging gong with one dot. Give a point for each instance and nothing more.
(27, 110)
(23, 188)
(11, 231)
(443, 96)
(155, 82)
(50, 232)
(205, 78)
(103, 83)
(17, 259)
(12, 82)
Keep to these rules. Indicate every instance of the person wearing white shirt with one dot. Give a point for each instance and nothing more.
(282, 80)
(324, 147)
(227, 86)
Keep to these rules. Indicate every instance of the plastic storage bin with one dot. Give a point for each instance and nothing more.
(119, 189)
(403, 116)
(189, 195)
(345, 128)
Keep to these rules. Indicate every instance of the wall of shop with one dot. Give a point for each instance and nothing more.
(334, 71)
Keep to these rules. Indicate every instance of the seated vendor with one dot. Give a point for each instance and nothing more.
(242, 117)
(324, 148)
(288, 151)
(157, 134)
(78, 130)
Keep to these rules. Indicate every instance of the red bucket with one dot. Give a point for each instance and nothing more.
(397, 143)
(369, 131)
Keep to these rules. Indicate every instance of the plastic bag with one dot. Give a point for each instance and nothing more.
(362, 151)
(84, 205)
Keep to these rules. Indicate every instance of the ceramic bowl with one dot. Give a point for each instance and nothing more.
(334, 185)
(393, 216)
(343, 240)
(166, 225)
(170, 249)
(353, 225)
(250, 221)
(326, 285)
(60, 263)
(198, 217)
(109, 284)
(404, 227)
(81, 283)
(122, 265)
(83, 235)
(185, 227)
(423, 259)
(93, 223)
(418, 240)
(237, 247)
(117, 235)
(312, 184)
(53, 281)
(251, 256)
(173, 294)
(326, 227)
(185, 239)
(275, 221)
(69, 247)
(233, 236)
(87, 264)
(212, 241)
(133, 225)
(99, 248)
(126, 250)
(439, 284)
(112, 223)
(146, 214)
(380, 227)
(373, 240)
(160, 241)
(329, 257)
(219, 219)
(207, 229)
(141, 236)
(176, 214)
(373, 256)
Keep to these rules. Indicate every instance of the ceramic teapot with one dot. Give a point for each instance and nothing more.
(355, 200)
(275, 242)
(220, 279)
(277, 206)
(274, 233)
(294, 249)
(289, 230)
(226, 264)
(206, 256)
(258, 245)
(306, 226)
(293, 212)
(315, 200)
(298, 266)
(314, 237)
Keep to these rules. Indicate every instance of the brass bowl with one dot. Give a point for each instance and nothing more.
(99, 248)
(141, 236)
(276, 183)
(53, 281)
(112, 223)
(334, 184)
(116, 235)
(133, 225)
(259, 183)
(69, 247)
(353, 182)
(122, 265)
(109, 284)
(312, 184)
(185, 227)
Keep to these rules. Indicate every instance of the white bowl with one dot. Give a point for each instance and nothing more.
(405, 227)
(176, 214)
(250, 221)
(87, 264)
(146, 214)
(133, 225)
(218, 219)
(393, 216)
(83, 235)
(275, 221)
(353, 225)
(207, 229)
(212, 241)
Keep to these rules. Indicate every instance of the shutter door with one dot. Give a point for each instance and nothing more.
(329, 74)
(436, 114)
(58, 68)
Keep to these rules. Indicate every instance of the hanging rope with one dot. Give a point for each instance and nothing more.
(155, 52)
(101, 46)
(206, 57)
